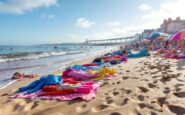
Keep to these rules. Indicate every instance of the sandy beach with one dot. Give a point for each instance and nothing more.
(143, 86)
(92, 57)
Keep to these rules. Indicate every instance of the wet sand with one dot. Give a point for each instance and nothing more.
(143, 86)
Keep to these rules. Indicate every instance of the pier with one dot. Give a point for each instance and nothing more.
(113, 41)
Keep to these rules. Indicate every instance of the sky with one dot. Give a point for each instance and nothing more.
(27, 22)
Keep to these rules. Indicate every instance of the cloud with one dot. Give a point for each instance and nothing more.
(122, 31)
(145, 7)
(114, 33)
(48, 16)
(150, 20)
(172, 8)
(84, 23)
(22, 6)
(115, 23)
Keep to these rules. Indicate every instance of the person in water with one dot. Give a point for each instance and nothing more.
(55, 47)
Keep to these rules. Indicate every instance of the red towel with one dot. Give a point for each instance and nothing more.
(70, 80)
(56, 93)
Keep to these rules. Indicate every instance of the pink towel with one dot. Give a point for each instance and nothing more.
(84, 96)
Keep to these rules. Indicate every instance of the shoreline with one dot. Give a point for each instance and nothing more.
(55, 64)
(138, 88)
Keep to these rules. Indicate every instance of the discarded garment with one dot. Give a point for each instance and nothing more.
(142, 53)
(38, 84)
(91, 64)
(80, 74)
(72, 96)
(77, 67)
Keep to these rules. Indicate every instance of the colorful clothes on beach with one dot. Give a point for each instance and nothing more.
(142, 53)
(56, 93)
(70, 80)
(91, 64)
(84, 96)
(77, 67)
(174, 57)
(64, 89)
(79, 74)
(38, 84)
(105, 72)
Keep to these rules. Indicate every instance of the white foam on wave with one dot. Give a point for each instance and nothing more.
(32, 56)
(4, 85)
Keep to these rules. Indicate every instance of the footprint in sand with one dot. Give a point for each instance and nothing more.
(113, 83)
(118, 82)
(150, 85)
(153, 113)
(127, 91)
(161, 101)
(165, 78)
(155, 76)
(170, 71)
(142, 105)
(145, 105)
(100, 107)
(125, 101)
(177, 89)
(84, 106)
(166, 90)
(180, 80)
(116, 93)
(109, 101)
(180, 94)
(142, 89)
(141, 97)
(155, 81)
(115, 113)
(128, 71)
(5, 94)
(125, 78)
(176, 109)
(178, 85)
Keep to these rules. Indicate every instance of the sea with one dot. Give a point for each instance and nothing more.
(42, 59)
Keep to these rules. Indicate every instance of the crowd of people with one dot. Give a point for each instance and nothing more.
(170, 49)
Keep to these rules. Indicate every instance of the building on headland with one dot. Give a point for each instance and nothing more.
(146, 33)
(172, 26)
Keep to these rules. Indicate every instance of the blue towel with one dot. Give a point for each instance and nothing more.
(142, 53)
(43, 81)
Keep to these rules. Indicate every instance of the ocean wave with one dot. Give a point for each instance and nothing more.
(77, 51)
(27, 56)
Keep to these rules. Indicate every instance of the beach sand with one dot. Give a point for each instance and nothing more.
(143, 86)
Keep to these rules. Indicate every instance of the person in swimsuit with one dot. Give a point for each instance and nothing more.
(172, 51)
(18, 75)
(182, 52)
(164, 49)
